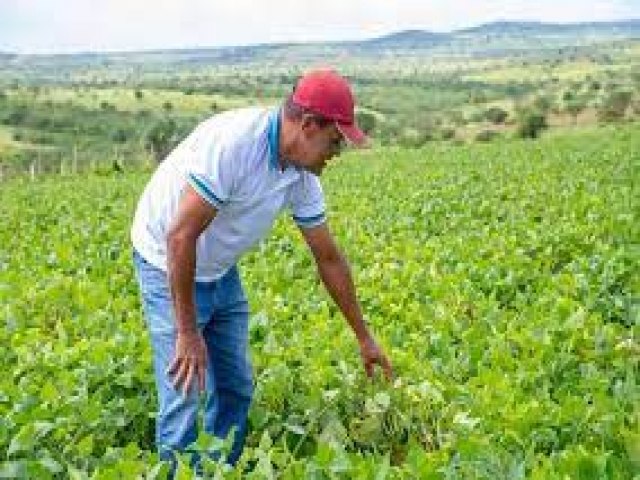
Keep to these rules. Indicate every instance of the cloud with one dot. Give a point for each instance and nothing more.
(73, 25)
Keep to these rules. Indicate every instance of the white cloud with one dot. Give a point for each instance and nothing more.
(72, 25)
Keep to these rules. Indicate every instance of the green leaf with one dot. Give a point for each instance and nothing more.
(85, 446)
(75, 474)
(49, 393)
(51, 465)
(15, 469)
(383, 469)
(383, 400)
(265, 441)
(24, 441)
(297, 429)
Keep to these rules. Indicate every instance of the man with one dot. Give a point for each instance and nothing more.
(209, 201)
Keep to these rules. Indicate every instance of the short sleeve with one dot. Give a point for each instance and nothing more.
(307, 202)
(211, 172)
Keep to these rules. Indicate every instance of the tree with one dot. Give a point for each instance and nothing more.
(531, 124)
(366, 121)
(496, 115)
(161, 138)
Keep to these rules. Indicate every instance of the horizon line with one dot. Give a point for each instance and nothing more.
(154, 50)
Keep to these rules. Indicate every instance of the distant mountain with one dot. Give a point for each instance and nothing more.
(494, 38)
(510, 28)
(406, 39)
(503, 36)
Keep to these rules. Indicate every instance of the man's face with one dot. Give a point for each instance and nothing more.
(319, 144)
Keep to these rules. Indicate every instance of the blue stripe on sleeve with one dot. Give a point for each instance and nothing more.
(201, 185)
(308, 222)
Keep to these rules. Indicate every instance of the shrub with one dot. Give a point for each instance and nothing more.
(161, 138)
(496, 115)
(366, 121)
(448, 133)
(107, 107)
(531, 124)
(486, 135)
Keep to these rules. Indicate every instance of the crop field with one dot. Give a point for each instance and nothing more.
(503, 280)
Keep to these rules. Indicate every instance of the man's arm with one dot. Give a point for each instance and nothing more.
(190, 358)
(336, 276)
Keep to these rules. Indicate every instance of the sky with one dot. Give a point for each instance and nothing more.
(65, 26)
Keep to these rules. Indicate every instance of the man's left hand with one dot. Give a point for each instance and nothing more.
(371, 354)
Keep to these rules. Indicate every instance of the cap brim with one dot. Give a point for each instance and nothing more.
(353, 134)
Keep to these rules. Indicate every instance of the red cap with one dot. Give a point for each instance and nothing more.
(328, 94)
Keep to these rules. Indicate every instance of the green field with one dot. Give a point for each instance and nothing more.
(503, 280)
(80, 114)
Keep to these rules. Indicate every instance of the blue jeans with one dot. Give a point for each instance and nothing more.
(222, 316)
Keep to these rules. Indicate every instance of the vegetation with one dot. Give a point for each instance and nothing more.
(531, 124)
(501, 275)
(501, 278)
(62, 113)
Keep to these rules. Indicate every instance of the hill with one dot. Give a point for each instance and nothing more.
(483, 39)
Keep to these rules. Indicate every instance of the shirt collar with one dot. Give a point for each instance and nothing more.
(273, 136)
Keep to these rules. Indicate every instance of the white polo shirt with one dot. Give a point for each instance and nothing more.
(231, 160)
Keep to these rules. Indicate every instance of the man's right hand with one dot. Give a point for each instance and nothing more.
(190, 358)
(189, 362)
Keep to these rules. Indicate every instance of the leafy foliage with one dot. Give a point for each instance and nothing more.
(502, 279)
(162, 137)
(496, 115)
(531, 124)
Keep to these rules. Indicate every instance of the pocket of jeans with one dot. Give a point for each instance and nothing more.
(156, 296)
(229, 289)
